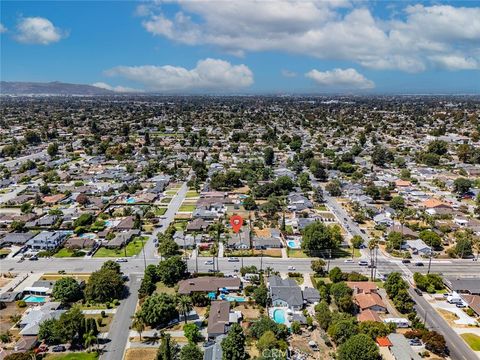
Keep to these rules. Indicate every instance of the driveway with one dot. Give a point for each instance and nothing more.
(463, 318)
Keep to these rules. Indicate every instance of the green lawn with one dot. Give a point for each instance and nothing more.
(296, 253)
(472, 340)
(171, 192)
(321, 208)
(73, 356)
(192, 194)
(163, 289)
(159, 211)
(166, 200)
(133, 248)
(299, 280)
(180, 225)
(187, 208)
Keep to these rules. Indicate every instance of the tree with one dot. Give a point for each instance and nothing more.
(158, 309)
(268, 156)
(356, 241)
(52, 149)
(138, 325)
(463, 245)
(317, 237)
(394, 240)
(359, 347)
(462, 185)
(67, 290)
(342, 295)
(184, 306)
(260, 295)
(336, 274)
(323, 314)
(167, 247)
(70, 324)
(192, 333)
(249, 203)
(334, 188)
(191, 352)
(168, 349)
(172, 270)
(318, 170)
(50, 332)
(317, 266)
(394, 284)
(435, 342)
(19, 356)
(397, 203)
(438, 147)
(233, 346)
(430, 238)
(264, 324)
(375, 329)
(88, 338)
(296, 327)
(32, 137)
(104, 285)
(381, 156)
(341, 330)
(267, 341)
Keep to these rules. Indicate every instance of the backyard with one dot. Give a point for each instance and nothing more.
(187, 207)
(133, 248)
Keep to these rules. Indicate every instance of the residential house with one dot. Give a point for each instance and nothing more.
(370, 301)
(208, 284)
(469, 286)
(32, 318)
(47, 240)
(241, 240)
(418, 247)
(311, 295)
(285, 293)
(122, 239)
(401, 349)
(220, 318)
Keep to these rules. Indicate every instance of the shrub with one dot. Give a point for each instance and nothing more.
(21, 303)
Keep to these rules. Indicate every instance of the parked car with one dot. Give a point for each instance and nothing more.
(461, 305)
(405, 261)
(233, 259)
(414, 342)
(419, 264)
(59, 348)
(363, 263)
(349, 261)
(209, 262)
(121, 260)
(33, 258)
(418, 291)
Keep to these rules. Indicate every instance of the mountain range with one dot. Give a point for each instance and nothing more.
(50, 88)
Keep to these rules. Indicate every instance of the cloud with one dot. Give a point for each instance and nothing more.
(38, 30)
(119, 89)
(341, 78)
(288, 74)
(2, 28)
(321, 30)
(209, 74)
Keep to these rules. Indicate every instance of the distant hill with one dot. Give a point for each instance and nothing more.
(51, 88)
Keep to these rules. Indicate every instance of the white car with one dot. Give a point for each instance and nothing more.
(363, 263)
(233, 259)
(349, 261)
(209, 262)
(120, 260)
(291, 268)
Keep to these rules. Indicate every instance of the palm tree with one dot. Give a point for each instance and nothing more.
(88, 338)
(138, 325)
(184, 305)
(372, 245)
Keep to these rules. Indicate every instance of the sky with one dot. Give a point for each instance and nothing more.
(248, 46)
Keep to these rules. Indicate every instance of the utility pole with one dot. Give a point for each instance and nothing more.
(429, 262)
(144, 258)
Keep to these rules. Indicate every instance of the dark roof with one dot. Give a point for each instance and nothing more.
(464, 285)
(17, 238)
(207, 284)
(218, 317)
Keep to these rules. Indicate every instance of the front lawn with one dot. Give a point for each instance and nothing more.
(192, 194)
(164, 289)
(187, 208)
(166, 200)
(159, 211)
(296, 253)
(171, 192)
(133, 248)
(180, 225)
(73, 356)
(472, 340)
(63, 252)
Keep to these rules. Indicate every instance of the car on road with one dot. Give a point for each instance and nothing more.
(362, 231)
(419, 264)
(414, 342)
(405, 261)
(233, 259)
(418, 291)
(349, 261)
(209, 262)
(461, 305)
(208, 343)
(121, 260)
(291, 268)
(33, 258)
(372, 266)
(363, 263)
(59, 348)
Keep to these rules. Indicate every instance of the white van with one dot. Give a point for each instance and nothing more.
(454, 298)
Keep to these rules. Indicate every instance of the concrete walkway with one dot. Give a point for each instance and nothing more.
(98, 311)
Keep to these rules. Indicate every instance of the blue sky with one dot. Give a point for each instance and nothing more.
(245, 47)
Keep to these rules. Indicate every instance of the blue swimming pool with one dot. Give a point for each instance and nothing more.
(232, 298)
(130, 200)
(293, 244)
(88, 236)
(279, 316)
(35, 299)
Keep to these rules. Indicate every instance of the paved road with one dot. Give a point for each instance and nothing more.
(120, 326)
(20, 160)
(459, 350)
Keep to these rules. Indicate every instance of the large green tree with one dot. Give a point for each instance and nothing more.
(233, 346)
(158, 309)
(104, 285)
(359, 347)
(172, 270)
(67, 290)
(191, 352)
(318, 237)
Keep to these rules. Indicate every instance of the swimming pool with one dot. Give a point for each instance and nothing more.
(88, 236)
(130, 200)
(232, 298)
(279, 316)
(293, 244)
(35, 299)
(111, 223)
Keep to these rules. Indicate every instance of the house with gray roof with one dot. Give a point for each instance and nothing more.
(47, 240)
(401, 349)
(285, 293)
(30, 323)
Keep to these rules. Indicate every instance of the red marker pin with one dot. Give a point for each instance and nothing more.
(236, 221)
